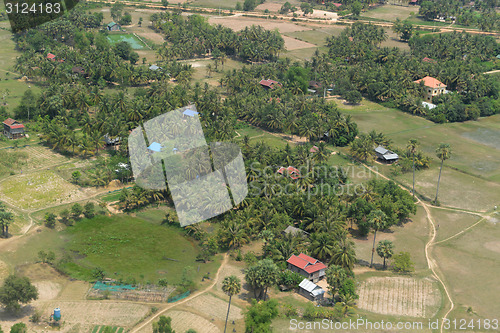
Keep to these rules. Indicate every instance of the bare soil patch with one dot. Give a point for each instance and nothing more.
(228, 270)
(99, 312)
(402, 296)
(152, 36)
(214, 307)
(183, 320)
(271, 6)
(47, 290)
(39, 272)
(295, 44)
(318, 14)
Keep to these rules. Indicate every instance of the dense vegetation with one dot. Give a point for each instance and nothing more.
(355, 62)
(479, 14)
(194, 37)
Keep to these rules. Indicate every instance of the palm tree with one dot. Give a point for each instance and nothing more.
(443, 152)
(385, 249)
(347, 301)
(6, 219)
(322, 246)
(412, 148)
(231, 286)
(378, 221)
(344, 254)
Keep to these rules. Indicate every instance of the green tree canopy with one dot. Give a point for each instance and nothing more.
(17, 290)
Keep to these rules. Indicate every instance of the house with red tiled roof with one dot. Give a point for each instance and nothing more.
(13, 129)
(312, 269)
(433, 87)
(269, 84)
(427, 59)
(51, 56)
(294, 173)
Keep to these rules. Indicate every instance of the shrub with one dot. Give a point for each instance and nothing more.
(402, 263)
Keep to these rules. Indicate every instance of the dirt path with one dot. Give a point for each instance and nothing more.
(173, 305)
(431, 263)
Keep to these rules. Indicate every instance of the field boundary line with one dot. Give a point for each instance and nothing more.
(463, 231)
(194, 295)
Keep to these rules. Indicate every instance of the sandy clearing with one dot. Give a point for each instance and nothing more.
(295, 44)
(402, 296)
(319, 14)
(239, 23)
(214, 307)
(47, 290)
(229, 270)
(183, 320)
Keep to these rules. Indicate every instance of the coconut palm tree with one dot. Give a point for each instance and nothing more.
(344, 254)
(377, 221)
(443, 152)
(412, 148)
(385, 249)
(231, 286)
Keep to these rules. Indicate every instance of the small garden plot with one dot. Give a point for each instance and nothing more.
(111, 329)
(135, 42)
(183, 321)
(38, 189)
(214, 307)
(401, 296)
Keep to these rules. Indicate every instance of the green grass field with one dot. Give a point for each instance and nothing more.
(9, 78)
(131, 247)
(470, 264)
(135, 42)
(390, 12)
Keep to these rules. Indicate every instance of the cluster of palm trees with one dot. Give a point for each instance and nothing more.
(138, 197)
(355, 61)
(193, 37)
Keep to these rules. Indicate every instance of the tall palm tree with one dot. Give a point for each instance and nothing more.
(231, 286)
(385, 249)
(344, 254)
(443, 152)
(378, 221)
(412, 148)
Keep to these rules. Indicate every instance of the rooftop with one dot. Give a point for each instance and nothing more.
(431, 82)
(303, 261)
(269, 83)
(311, 287)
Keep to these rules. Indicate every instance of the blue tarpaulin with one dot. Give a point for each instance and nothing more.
(155, 146)
(190, 113)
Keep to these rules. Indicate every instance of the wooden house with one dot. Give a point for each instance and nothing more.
(13, 129)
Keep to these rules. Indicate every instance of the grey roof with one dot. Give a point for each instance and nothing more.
(386, 154)
(392, 156)
(294, 231)
(381, 150)
(154, 67)
(311, 287)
